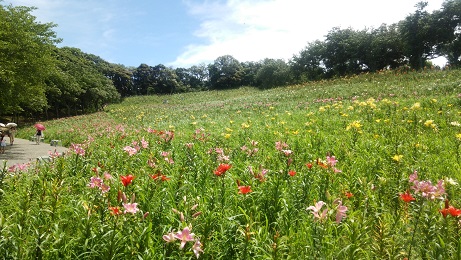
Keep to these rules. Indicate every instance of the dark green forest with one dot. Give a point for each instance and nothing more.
(40, 80)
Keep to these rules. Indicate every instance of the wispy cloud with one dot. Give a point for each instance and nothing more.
(93, 24)
(252, 30)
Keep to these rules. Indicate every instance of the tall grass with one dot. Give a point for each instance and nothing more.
(353, 168)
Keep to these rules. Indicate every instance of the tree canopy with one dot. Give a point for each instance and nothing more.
(39, 79)
(26, 60)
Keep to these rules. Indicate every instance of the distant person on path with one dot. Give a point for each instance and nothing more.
(2, 144)
(38, 136)
(12, 132)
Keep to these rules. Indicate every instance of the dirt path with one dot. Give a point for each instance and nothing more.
(24, 151)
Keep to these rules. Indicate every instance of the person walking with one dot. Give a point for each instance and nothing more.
(2, 144)
(38, 136)
(12, 133)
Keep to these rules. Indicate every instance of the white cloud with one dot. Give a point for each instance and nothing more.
(251, 30)
(90, 23)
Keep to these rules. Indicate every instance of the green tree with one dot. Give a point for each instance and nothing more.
(199, 77)
(447, 24)
(26, 60)
(143, 80)
(309, 63)
(386, 49)
(250, 69)
(226, 72)
(79, 85)
(193, 78)
(273, 73)
(340, 55)
(418, 37)
(165, 80)
(121, 77)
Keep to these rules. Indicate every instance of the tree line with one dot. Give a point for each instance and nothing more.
(39, 79)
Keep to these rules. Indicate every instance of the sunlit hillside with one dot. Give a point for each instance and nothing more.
(365, 167)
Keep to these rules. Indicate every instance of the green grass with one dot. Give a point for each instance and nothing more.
(380, 128)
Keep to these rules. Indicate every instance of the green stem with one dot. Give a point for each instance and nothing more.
(415, 227)
(223, 193)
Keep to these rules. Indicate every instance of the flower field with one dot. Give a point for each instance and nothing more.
(355, 168)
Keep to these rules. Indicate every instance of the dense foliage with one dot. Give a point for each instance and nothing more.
(56, 82)
(364, 167)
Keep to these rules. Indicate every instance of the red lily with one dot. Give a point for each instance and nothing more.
(454, 212)
(160, 176)
(115, 211)
(244, 189)
(126, 180)
(406, 197)
(321, 164)
(222, 168)
(349, 194)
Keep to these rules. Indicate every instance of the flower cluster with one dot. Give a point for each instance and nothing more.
(259, 175)
(450, 210)
(97, 182)
(166, 136)
(135, 148)
(328, 163)
(221, 157)
(320, 215)
(252, 150)
(185, 236)
(18, 167)
(78, 149)
(426, 189)
(129, 206)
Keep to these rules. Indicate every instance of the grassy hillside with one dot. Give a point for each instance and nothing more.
(358, 168)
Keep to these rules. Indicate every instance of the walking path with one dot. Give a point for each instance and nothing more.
(24, 151)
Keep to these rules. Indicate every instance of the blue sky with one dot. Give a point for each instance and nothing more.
(183, 33)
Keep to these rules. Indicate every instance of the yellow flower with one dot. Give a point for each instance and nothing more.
(458, 136)
(371, 103)
(386, 101)
(227, 135)
(245, 125)
(416, 106)
(397, 157)
(430, 123)
(354, 125)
